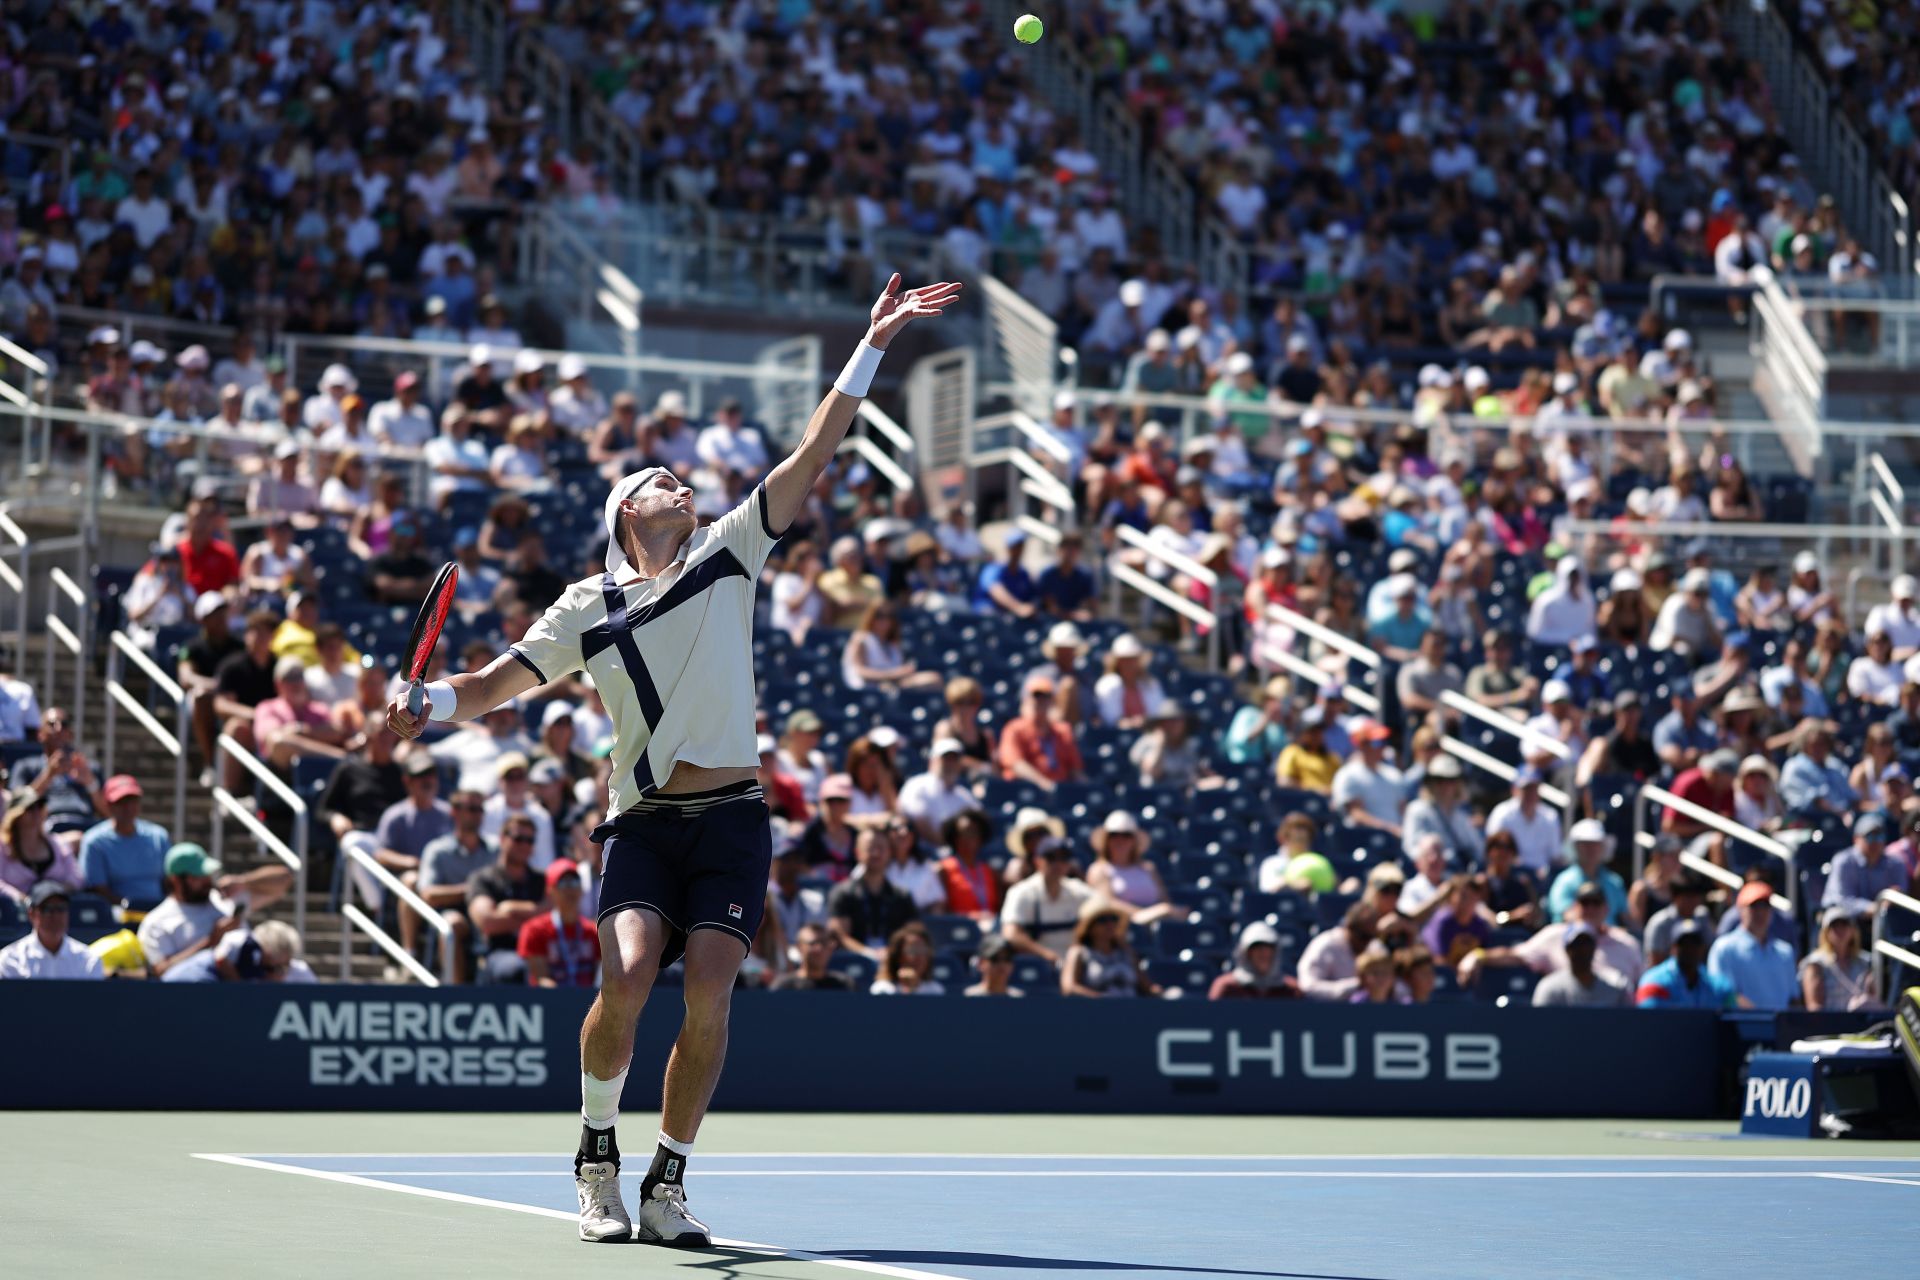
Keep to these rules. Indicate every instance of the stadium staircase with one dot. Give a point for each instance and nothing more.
(137, 753)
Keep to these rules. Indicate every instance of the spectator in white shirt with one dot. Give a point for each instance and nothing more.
(323, 410)
(1898, 618)
(477, 748)
(929, 799)
(1127, 696)
(458, 461)
(47, 952)
(1874, 677)
(576, 405)
(1368, 791)
(402, 422)
(1430, 864)
(1534, 825)
(1564, 610)
(514, 798)
(730, 447)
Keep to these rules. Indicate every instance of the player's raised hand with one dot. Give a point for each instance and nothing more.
(895, 308)
(403, 722)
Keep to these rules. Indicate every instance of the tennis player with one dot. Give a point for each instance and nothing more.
(667, 634)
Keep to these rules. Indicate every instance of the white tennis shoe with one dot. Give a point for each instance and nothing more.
(603, 1217)
(664, 1219)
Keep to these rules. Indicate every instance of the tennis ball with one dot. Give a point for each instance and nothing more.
(1028, 29)
(1310, 871)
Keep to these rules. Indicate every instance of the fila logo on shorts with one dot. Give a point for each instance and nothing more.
(733, 910)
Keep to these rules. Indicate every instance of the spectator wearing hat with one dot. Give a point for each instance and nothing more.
(1035, 746)
(1837, 973)
(1861, 872)
(1258, 732)
(1559, 732)
(1066, 587)
(279, 492)
(158, 597)
(1257, 973)
(402, 573)
(202, 905)
(514, 798)
(1499, 682)
(1681, 980)
(1399, 631)
(502, 897)
(1759, 967)
(1546, 951)
(925, 579)
(1307, 763)
(1684, 735)
(402, 422)
(1813, 779)
(1367, 791)
(1587, 685)
(1327, 966)
(1533, 824)
(796, 905)
(849, 588)
(1168, 755)
(815, 945)
(1564, 610)
(558, 946)
(407, 826)
(1127, 696)
(560, 742)
(1005, 586)
(1687, 901)
(1440, 809)
(1686, 624)
(1899, 618)
(864, 910)
(994, 961)
(1591, 846)
(826, 847)
(575, 405)
(973, 886)
(1121, 871)
(1625, 750)
(930, 799)
(1040, 912)
(1580, 985)
(28, 854)
(1101, 964)
(1062, 650)
(47, 953)
(121, 858)
(1423, 893)
(800, 756)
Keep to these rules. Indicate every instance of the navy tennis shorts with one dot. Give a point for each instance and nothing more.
(699, 860)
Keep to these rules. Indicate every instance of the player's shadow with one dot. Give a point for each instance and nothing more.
(733, 1262)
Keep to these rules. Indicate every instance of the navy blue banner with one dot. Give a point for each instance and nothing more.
(491, 1049)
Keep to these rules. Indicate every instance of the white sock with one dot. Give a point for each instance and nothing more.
(600, 1100)
(675, 1145)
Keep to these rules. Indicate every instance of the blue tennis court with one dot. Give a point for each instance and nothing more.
(996, 1217)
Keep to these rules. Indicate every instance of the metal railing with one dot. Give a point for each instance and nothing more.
(1332, 639)
(1885, 949)
(353, 917)
(1795, 369)
(227, 805)
(1120, 574)
(1651, 794)
(15, 580)
(897, 468)
(71, 638)
(1022, 347)
(120, 650)
(1718, 874)
(1502, 770)
(1530, 739)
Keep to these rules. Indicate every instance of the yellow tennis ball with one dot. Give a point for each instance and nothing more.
(1028, 29)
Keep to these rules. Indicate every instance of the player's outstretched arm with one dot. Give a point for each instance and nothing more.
(475, 694)
(789, 483)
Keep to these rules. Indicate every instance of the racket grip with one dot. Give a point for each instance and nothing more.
(416, 698)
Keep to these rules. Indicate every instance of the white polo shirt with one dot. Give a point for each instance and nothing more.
(1536, 840)
(27, 958)
(671, 656)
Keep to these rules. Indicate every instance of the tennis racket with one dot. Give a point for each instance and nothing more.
(427, 625)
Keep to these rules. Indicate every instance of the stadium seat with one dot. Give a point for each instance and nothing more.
(855, 968)
(89, 918)
(955, 933)
(953, 970)
(1034, 976)
(1505, 985)
(1176, 939)
(1191, 977)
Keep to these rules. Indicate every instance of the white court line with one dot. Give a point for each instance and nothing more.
(1461, 1175)
(1074, 1155)
(1870, 1177)
(455, 1197)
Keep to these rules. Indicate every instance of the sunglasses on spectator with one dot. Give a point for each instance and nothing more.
(516, 775)
(53, 906)
(518, 837)
(469, 808)
(1002, 958)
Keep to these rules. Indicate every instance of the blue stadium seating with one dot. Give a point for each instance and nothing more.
(953, 971)
(1505, 985)
(89, 918)
(1191, 976)
(954, 933)
(1034, 976)
(1178, 939)
(855, 967)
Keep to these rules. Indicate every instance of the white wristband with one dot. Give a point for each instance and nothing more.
(442, 701)
(857, 378)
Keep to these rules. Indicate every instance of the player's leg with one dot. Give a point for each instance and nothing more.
(631, 943)
(726, 898)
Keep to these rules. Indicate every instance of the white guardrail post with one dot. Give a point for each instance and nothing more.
(61, 583)
(16, 580)
(120, 650)
(1883, 949)
(228, 805)
(353, 917)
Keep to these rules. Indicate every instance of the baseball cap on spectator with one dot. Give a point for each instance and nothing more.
(1870, 826)
(46, 891)
(1905, 587)
(545, 771)
(1064, 635)
(120, 786)
(1445, 768)
(1556, 691)
(1581, 929)
(1696, 582)
(419, 764)
(571, 366)
(1565, 384)
(289, 668)
(194, 357)
(525, 361)
(803, 721)
(207, 604)
(765, 744)
(103, 336)
(884, 736)
(509, 762)
(1590, 892)
(993, 947)
(1754, 891)
(1133, 293)
(1405, 560)
(189, 859)
(1315, 717)
(1527, 776)
(1806, 562)
(436, 305)
(1583, 643)
(1014, 537)
(1690, 929)
(947, 747)
(1370, 731)
(1384, 874)
(144, 352)
(1478, 379)
(1834, 915)
(1722, 761)
(562, 869)
(554, 714)
(838, 786)
(338, 375)
(1038, 682)
(408, 378)
(1626, 580)
(1157, 340)
(1678, 340)
(1759, 764)
(1064, 400)
(1239, 362)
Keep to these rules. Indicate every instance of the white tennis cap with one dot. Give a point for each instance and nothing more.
(616, 558)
